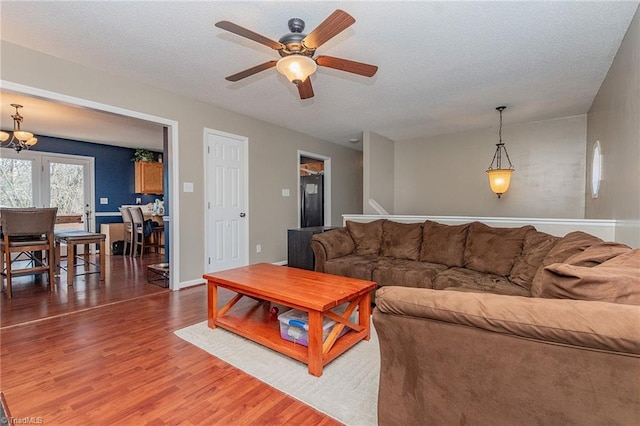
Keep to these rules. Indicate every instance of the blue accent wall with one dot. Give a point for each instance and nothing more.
(114, 173)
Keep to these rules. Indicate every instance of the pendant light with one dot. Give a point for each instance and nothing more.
(20, 139)
(500, 178)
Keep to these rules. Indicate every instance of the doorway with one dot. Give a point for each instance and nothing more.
(170, 154)
(227, 201)
(314, 190)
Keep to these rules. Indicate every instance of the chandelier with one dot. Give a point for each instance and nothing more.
(500, 178)
(20, 139)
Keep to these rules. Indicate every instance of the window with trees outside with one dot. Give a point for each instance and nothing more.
(36, 179)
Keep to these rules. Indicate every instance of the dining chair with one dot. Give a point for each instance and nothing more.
(137, 234)
(29, 233)
(128, 229)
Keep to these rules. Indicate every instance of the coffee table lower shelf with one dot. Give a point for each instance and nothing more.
(258, 325)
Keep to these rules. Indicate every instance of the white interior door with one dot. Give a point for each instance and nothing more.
(226, 201)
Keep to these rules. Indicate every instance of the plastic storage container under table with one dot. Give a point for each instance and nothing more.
(294, 324)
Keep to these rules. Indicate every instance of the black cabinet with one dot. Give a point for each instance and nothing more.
(299, 253)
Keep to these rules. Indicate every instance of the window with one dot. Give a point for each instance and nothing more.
(37, 179)
(16, 182)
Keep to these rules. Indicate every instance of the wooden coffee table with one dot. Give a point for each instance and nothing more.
(312, 292)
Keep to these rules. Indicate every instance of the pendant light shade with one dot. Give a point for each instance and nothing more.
(500, 178)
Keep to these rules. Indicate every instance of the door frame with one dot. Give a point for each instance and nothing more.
(326, 184)
(207, 226)
(173, 164)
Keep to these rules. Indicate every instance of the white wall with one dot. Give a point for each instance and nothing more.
(378, 153)
(446, 175)
(614, 120)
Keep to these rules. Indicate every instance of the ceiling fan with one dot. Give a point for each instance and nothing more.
(297, 50)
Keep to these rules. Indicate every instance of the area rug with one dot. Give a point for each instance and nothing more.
(346, 391)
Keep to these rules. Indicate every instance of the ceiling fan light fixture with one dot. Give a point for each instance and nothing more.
(297, 68)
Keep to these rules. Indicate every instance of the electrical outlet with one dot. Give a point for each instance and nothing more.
(104, 200)
(258, 248)
(285, 192)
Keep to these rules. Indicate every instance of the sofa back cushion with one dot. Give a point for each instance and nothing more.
(443, 244)
(401, 240)
(617, 280)
(336, 243)
(598, 253)
(535, 248)
(567, 246)
(493, 250)
(366, 236)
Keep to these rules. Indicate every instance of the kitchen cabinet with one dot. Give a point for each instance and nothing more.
(148, 178)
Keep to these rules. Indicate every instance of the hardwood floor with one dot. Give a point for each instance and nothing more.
(109, 359)
(31, 301)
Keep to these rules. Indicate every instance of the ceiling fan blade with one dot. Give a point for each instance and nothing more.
(243, 32)
(337, 22)
(347, 65)
(305, 89)
(251, 71)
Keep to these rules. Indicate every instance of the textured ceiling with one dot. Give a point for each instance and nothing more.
(443, 66)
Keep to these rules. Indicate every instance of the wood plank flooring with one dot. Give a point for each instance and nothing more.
(110, 360)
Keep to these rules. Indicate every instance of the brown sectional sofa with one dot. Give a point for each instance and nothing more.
(530, 328)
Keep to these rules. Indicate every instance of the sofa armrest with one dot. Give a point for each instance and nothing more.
(330, 245)
(590, 324)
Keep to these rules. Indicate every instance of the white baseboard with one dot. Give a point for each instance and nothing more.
(191, 283)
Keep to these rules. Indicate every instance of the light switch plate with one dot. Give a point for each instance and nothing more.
(187, 186)
(104, 200)
(285, 192)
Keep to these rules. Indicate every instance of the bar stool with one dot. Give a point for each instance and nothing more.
(72, 239)
(137, 233)
(128, 229)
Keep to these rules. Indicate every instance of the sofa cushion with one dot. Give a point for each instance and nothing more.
(493, 250)
(616, 280)
(536, 246)
(443, 243)
(468, 280)
(407, 273)
(585, 324)
(336, 242)
(367, 236)
(598, 253)
(354, 266)
(567, 246)
(401, 240)
(572, 243)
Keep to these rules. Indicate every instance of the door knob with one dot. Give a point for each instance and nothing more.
(242, 214)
